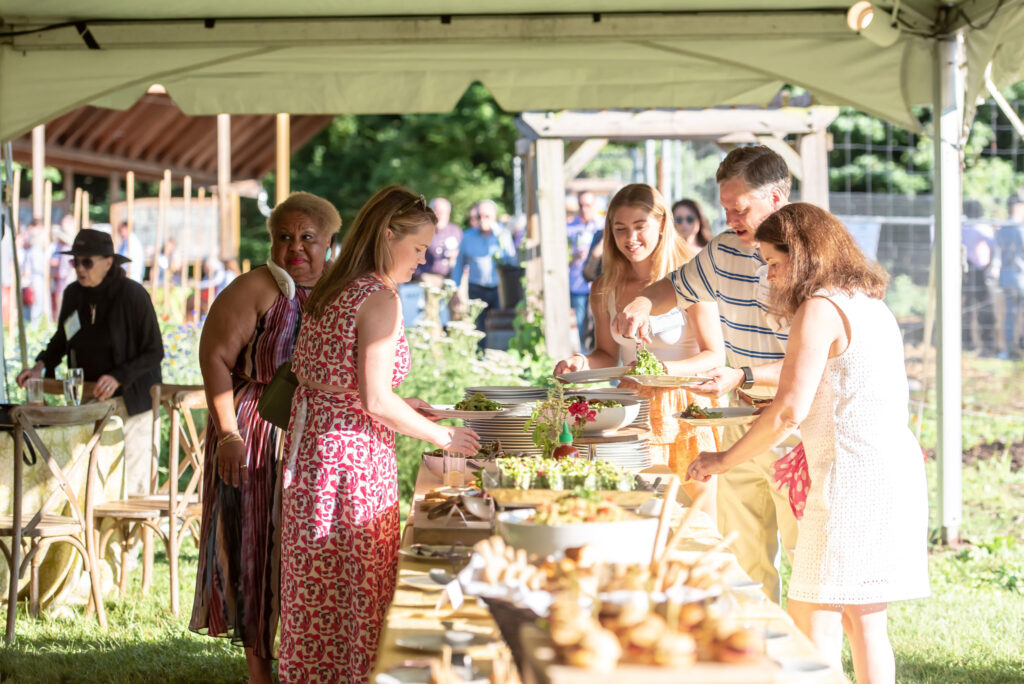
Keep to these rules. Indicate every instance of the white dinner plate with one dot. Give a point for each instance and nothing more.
(421, 582)
(595, 375)
(793, 666)
(431, 642)
(416, 674)
(668, 380)
(449, 411)
(731, 415)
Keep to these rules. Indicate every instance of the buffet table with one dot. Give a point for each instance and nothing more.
(413, 611)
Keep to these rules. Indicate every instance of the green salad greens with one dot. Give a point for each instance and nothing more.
(647, 364)
(477, 402)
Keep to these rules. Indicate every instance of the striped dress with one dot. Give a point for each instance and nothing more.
(238, 582)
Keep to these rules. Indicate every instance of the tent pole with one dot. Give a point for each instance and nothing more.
(948, 110)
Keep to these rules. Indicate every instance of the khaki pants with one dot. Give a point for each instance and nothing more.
(750, 503)
(138, 449)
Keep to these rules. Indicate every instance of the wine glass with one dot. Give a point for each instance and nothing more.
(73, 383)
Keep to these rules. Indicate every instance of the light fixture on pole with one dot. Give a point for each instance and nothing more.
(872, 22)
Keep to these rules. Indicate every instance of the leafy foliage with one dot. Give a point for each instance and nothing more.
(464, 155)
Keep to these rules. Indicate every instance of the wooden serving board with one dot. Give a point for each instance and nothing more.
(446, 531)
(535, 497)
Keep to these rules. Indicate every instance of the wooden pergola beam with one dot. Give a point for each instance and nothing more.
(684, 124)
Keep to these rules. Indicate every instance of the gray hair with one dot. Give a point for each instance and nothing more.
(760, 167)
(319, 210)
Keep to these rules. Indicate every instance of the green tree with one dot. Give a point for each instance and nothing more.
(464, 155)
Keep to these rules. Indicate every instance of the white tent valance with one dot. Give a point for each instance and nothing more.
(317, 58)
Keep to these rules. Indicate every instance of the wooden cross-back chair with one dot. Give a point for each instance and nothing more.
(42, 528)
(144, 514)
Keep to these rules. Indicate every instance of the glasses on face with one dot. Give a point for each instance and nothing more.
(85, 263)
(684, 219)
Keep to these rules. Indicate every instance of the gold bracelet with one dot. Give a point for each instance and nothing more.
(228, 438)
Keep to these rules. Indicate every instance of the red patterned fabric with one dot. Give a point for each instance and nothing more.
(340, 507)
(792, 470)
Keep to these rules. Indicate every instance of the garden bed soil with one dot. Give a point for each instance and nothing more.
(983, 452)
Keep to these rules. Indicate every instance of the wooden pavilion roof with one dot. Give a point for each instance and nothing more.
(154, 134)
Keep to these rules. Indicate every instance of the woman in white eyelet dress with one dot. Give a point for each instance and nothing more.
(863, 540)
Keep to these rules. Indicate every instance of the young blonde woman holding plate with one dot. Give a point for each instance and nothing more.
(640, 247)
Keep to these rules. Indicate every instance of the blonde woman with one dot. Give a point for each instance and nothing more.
(339, 556)
(640, 247)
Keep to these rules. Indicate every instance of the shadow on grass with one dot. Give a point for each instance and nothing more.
(996, 671)
(181, 659)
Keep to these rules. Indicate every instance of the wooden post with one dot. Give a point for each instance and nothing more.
(113, 187)
(161, 217)
(814, 159)
(38, 169)
(282, 176)
(246, 266)
(85, 209)
(236, 226)
(16, 290)
(129, 188)
(78, 210)
(47, 227)
(224, 181)
(197, 271)
(554, 247)
(197, 294)
(186, 236)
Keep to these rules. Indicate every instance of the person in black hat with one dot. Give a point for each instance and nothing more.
(108, 328)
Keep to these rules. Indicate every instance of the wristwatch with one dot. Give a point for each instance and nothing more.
(748, 378)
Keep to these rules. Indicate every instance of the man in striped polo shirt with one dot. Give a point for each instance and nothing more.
(753, 183)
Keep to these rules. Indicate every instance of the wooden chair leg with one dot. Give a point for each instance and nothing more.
(173, 541)
(94, 570)
(33, 583)
(147, 558)
(124, 533)
(12, 590)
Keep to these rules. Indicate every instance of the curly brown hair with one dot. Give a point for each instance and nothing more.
(822, 256)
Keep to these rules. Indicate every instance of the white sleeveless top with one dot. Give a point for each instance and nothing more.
(864, 534)
(673, 339)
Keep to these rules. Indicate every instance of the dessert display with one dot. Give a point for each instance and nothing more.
(560, 474)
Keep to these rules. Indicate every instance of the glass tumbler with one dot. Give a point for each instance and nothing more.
(454, 469)
(34, 392)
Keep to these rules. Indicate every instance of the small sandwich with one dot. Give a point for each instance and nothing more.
(741, 646)
(640, 640)
(675, 649)
(691, 615)
(598, 650)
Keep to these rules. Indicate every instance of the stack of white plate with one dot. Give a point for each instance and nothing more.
(509, 429)
(510, 396)
(633, 455)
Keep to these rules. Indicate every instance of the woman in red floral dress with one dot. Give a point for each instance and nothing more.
(340, 499)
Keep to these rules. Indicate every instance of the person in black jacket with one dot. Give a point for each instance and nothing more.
(108, 328)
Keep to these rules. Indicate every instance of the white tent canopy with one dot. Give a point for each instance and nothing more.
(317, 57)
(392, 56)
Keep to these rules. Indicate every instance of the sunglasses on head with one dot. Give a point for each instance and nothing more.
(420, 201)
(85, 262)
(684, 219)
